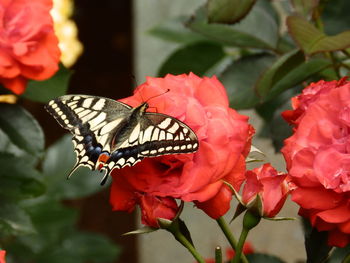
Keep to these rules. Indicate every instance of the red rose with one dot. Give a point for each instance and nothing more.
(318, 158)
(2, 256)
(28, 45)
(301, 102)
(224, 141)
(153, 207)
(270, 185)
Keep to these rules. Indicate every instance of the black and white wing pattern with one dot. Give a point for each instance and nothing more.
(109, 134)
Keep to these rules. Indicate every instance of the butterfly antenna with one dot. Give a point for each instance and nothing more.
(155, 96)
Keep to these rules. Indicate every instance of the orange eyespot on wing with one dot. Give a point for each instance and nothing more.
(102, 160)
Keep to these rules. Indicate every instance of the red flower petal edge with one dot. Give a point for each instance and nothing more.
(318, 157)
(224, 141)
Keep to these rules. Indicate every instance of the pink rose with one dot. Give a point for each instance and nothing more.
(270, 185)
(224, 141)
(28, 45)
(318, 158)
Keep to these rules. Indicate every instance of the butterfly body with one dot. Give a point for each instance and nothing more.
(109, 134)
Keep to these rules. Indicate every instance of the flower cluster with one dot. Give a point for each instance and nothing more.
(224, 141)
(66, 31)
(318, 157)
(29, 47)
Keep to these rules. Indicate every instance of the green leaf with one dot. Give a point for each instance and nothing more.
(51, 219)
(14, 220)
(277, 127)
(22, 129)
(17, 188)
(58, 241)
(43, 91)
(7, 147)
(59, 160)
(298, 75)
(196, 58)
(240, 79)
(335, 16)
(311, 40)
(280, 218)
(316, 245)
(86, 247)
(228, 11)
(263, 258)
(340, 255)
(18, 179)
(174, 30)
(80, 247)
(282, 66)
(243, 34)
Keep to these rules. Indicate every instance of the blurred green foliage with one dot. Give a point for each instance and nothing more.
(35, 226)
(267, 49)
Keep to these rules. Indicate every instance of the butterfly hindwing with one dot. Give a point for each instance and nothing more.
(108, 134)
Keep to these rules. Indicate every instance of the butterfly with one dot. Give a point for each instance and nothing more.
(109, 134)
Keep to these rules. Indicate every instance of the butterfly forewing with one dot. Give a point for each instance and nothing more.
(108, 134)
(166, 135)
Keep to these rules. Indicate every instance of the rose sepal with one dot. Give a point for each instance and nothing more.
(142, 230)
(235, 193)
(176, 227)
(239, 210)
(255, 155)
(163, 223)
(279, 218)
(179, 230)
(256, 206)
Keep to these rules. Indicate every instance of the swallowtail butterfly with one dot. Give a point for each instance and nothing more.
(109, 134)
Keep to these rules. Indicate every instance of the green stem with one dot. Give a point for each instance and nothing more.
(187, 244)
(240, 244)
(346, 259)
(218, 255)
(228, 234)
